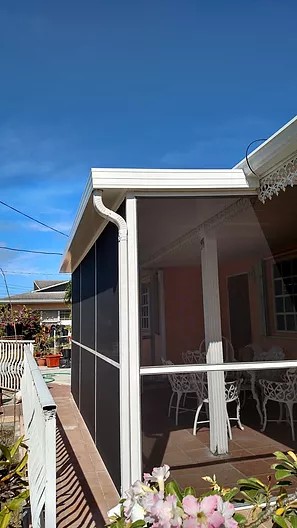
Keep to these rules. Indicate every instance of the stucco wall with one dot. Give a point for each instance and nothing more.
(184, 308)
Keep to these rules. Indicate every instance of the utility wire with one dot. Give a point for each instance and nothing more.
(247, 151)
(34, 219)
(31, 251)
(36, 273)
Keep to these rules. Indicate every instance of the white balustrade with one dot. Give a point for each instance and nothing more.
(39, 411)
(12, 362)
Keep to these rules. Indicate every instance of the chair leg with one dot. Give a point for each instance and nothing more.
(228, 424)
(179, 395)
(244, 397)
(290, 409)
(238, 415)
(170, 403)
(264, 415)
(280, 418)
(196, 418)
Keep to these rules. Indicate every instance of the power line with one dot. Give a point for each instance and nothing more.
(35, 273)
(34, 219)
(50, 274)
(31, 251)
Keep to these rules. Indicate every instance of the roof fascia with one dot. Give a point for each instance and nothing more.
(31, 301)
(168, 179)
(272, 152)
(52, 286)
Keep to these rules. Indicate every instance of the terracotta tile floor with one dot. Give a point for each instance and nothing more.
(85, 491)
(250, 451)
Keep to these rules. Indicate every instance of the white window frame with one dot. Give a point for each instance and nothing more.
(283, 295)
(145, 308)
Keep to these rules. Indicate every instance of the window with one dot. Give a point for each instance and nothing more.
(145, 308)
(49, 315)
(285, 295)
(65, 314)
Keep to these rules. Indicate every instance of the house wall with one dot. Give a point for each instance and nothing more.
(184, 308)
(183, 311)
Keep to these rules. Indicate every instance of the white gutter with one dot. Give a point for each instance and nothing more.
(119, 221)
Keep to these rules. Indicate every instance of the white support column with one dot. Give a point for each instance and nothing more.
(134, 339)
(213, 344)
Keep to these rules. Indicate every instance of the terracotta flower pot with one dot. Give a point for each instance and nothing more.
(53, 360)
(41, 361)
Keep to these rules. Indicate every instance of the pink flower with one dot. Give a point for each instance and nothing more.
(202, 514)
(227, 510)
(159, 475)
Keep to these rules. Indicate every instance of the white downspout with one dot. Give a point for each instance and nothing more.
(121, 224)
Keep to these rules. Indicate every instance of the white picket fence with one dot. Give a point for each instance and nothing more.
(39, 411)
(12, 363)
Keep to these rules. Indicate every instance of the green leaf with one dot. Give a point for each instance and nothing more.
(6, 452)
(16, 446)
(280, 456)
(252, 483)
(229, 495)
(240, 519)
(250, 496)
(172, 488)
(278, 519)
(22, 464)
(189, 491)
(18, 501)
(293, 520)
(138, 524)
(282, 473)
(5, 516)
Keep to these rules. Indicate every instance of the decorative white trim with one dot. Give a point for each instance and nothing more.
(95, 353)
(278, 180)
(196, 233)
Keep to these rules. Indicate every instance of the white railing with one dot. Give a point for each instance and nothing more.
(39, 411)
(12, 362)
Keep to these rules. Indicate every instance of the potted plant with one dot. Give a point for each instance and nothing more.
(53, 359)
(40, 358)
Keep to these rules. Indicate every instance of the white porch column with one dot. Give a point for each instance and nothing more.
(213, 344)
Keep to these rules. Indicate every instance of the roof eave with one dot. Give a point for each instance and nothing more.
(116, 183)
(271, 152)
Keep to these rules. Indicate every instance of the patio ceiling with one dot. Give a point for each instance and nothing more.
(165, 227)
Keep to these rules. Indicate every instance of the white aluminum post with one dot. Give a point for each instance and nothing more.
(134, 352)
(213, 344)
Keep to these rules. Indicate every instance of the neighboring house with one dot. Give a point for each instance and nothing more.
(162, 260)
(48, 298)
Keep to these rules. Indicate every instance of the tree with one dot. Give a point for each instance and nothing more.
(68, 293)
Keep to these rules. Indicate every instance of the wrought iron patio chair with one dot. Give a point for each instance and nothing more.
(275, 353)
(194, 356)
(232, 392)
(282, 392)
(181, 385)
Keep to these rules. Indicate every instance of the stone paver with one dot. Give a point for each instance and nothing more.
(85, 491)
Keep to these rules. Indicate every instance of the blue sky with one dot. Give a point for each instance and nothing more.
(128, 83)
